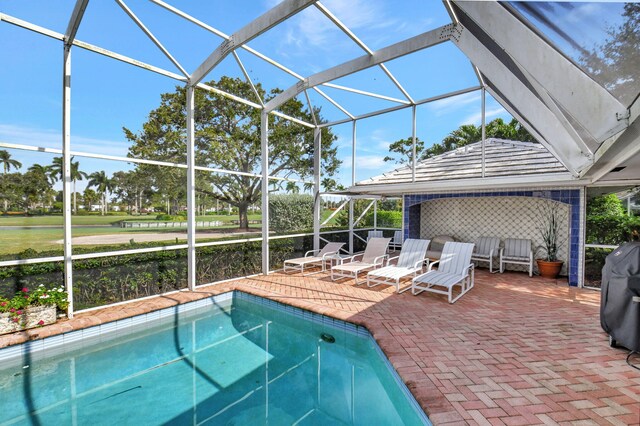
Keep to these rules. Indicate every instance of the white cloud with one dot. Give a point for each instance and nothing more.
(368, 162)
(476, 117)
(454, 103)
(50, 138)
(312, 29)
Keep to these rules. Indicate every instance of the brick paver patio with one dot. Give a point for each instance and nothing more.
(515, 350)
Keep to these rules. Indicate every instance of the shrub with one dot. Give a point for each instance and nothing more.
(289, 212)
(389, 219)
(104, 280)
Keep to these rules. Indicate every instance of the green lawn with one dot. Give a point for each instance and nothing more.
(100, 220)
(43, 239)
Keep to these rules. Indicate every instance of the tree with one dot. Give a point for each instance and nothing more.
(469, 133)
(76, 175)
(89, 198)
(614, 63)
(56, 171)
(103, 186)
(227, 136)
(404, 147)
(8, 162)
(130, 187)
(36, 188)
(56, 168)
(11, 189)
(44, 171)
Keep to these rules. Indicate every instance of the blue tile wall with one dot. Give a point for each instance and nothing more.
(568, 196)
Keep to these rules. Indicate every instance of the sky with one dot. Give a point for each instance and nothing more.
(108, 95)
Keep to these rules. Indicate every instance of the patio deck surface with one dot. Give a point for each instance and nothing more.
(514, 350)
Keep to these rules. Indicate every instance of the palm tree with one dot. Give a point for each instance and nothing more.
(103, 185)
(8, 162)
(76, 175)
(41, 170)
(56, 168)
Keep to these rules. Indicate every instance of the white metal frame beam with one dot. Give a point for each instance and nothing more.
(68, 38)
(588, 102)
(151, 37)
(363, 46)
(399, 107)
(414, 44)
(545, 122)
(99, 50)
(191, 189)
(254, 52)
(74, 22)
(252, 30)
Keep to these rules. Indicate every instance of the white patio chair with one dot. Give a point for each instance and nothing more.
(320, 258)
(373, 257)
(374, 234)
(454, 268)
(486, 249)
(396, 242)
(410, 261)
(518, 252)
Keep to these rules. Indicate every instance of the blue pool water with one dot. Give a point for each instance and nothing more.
(235, 362)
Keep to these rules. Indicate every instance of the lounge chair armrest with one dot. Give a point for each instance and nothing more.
(432, 264)
(419, 263)
(329, 254)
(350, 258)
(391, 258)
(379, 259)
(311, 252)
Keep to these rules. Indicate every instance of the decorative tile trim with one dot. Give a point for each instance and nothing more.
(325, 320)
(571, 196)
(35, 347)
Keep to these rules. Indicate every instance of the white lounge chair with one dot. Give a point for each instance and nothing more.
(454, 268)
(373, 257)
(320, 258)
(486, 249)
(410, 261)
(374, 234)
(396, 242)
(517, 252)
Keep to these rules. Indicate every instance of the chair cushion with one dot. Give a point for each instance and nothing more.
(437, 242)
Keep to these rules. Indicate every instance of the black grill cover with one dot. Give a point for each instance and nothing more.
(619, 314)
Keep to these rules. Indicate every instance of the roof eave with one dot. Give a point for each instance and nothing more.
(503, 182)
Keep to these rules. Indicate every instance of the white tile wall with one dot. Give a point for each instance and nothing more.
(467, 219)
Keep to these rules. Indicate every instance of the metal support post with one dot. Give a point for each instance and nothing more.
(191, 190)
(264, 141)
(351, 226)
(317, 171)
(414, 159)
(375, 214)
(484, 127)
(66, 181)
(353, 181)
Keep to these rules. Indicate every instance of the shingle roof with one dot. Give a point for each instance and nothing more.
(502, 158)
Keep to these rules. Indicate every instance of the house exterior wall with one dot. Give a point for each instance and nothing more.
(504, 214)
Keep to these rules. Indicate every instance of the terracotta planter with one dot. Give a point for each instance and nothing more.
(549, 269)
(30, 318)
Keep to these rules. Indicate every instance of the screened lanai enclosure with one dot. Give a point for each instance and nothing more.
(152, 146)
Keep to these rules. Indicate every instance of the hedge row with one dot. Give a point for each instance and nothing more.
(106, 280)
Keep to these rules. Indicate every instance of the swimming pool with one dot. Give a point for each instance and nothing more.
(235, 359)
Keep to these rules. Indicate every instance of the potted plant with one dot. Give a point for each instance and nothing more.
(29, 309)
(549, 266)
